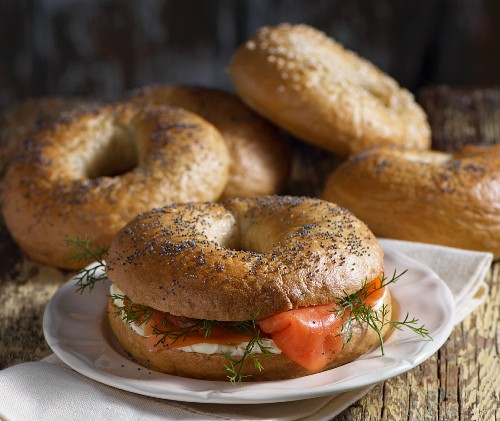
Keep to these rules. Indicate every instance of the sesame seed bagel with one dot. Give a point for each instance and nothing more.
(213, 366)
(307, 83)
(260, 156)
(243, 257)
(90, 173)
(426, 196)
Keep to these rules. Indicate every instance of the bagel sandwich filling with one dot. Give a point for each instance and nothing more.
(266, 288)
(310, 336)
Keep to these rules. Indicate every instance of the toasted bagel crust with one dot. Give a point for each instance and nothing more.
(426, 196)
(260, 156)
(243, 257)
(212, 367)
(307, 83)
(62, 185)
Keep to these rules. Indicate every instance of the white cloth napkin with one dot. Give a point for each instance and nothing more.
(464, 271)
(49, 390)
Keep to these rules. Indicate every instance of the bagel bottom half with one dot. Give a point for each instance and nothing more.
(213, 366)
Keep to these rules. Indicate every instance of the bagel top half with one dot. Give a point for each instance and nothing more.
(243, 258)
(308, 84)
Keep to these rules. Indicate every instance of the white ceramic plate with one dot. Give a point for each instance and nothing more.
(76, 328)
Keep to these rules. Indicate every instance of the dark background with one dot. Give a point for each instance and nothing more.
(105, 47)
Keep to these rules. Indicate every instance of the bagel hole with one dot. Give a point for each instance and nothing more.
(229, 234)
(247, 237)
(116, 154)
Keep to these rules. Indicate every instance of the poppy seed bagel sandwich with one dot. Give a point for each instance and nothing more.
(246, 288)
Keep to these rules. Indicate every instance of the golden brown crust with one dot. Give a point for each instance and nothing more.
(431, 197)
(260, 156)
(212, 367)
(311, 86)
(23, 119)
(63, 183)
(243, 257)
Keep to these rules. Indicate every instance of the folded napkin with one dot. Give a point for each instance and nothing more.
(464, 271)
(49, 390)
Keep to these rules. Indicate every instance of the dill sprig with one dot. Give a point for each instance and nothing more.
(353, 309)
(235, 366)
(176, 333)
(84, 249)
(132, 312)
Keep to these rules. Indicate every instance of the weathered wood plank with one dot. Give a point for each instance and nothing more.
(462, 116)
(24, 293)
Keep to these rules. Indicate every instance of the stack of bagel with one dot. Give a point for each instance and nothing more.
(290, 76)
(181, 183)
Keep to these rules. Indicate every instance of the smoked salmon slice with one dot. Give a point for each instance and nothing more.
(308, 335)
(312, 336)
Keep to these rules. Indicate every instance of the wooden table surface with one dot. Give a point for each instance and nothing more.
(461, 381)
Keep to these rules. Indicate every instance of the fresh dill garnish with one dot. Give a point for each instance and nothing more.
(353, 309)
(140, 314)
(235, 366)
(132, 312)
(176, 333)
(84, 249)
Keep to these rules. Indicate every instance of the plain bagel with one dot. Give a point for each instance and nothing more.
(260, 156)
(91, 172)
(234, 260)
(426, 196)
(307, 83)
